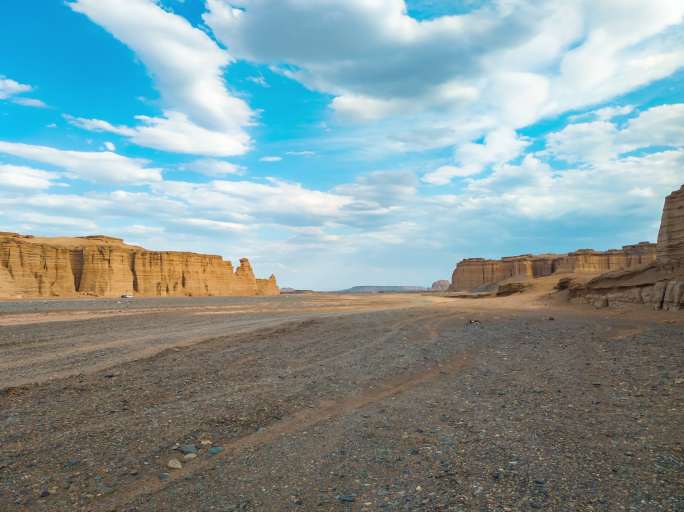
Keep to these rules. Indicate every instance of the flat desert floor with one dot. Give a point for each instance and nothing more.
(339, 402)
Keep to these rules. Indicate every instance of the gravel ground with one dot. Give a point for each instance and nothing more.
(340, 403)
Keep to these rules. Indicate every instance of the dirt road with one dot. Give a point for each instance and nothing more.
(326, 402)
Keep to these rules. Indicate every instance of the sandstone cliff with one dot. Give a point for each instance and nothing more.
(659, 284)
(473, 273)
(107, 267)
(671, 234)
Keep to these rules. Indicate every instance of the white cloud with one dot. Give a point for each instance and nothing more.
(453, 79)
(140, 229)
(97, 166)
(365, 108)
(270, 159)
(109, 146)
(201, 116)
(301, 153)
(33, 219)
(11, 89)
(592, 141)
(600, 141)
(97, 125)
(500, 146)
(276, 201)
(259, 80)
(22, 177)
(214, 225)
(211, 167)
(608, 113)
(445, 173)
(30, 102)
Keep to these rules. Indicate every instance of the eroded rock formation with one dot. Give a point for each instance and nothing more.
(440, 286)
(659, 284)
(671, 234)
(107, 267)
(473, 273)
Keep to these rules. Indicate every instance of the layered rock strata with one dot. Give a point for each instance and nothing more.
(473, 273)
(671, 234)
(107, 267)
(659, 284)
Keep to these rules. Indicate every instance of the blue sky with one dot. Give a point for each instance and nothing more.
(342, 142)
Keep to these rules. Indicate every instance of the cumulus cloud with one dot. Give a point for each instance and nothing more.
(453, 79)
(95, 166)
(270, 159)
(201, 115)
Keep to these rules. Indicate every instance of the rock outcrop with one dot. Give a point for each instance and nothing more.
(473, 273)
(440, 286)
(107, 267)
(671, 234)
(659, 284)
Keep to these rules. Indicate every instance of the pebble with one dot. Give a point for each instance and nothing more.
(346, 498)
(215, 450)
(205, 442)
(164, 476)
(189, 456)
(187, 448)
(174, 464)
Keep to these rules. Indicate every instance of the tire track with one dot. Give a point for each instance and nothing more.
(326, 410)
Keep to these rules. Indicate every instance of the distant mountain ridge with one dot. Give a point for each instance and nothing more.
(384, 289)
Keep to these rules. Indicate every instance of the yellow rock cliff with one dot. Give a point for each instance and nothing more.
(107, 267)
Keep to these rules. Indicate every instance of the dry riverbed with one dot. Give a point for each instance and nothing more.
(339, 402)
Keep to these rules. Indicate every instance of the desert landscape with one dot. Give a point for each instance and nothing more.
(544, 398)
(342, 256)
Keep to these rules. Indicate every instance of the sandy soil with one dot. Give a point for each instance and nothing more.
(330, 402)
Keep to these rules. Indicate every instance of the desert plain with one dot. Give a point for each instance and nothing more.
(340, 402)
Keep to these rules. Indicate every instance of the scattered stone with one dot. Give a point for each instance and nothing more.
(215, 450)
(187, 448)
(44, 493)
(174, 464)
(189, 456)
(205, 442)
(164, 476)
(346, 498)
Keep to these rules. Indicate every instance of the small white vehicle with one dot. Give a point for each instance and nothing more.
(127, 296)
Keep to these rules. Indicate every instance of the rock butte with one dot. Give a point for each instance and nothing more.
(104, 266)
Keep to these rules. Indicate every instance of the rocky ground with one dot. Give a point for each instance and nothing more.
(323, 402)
